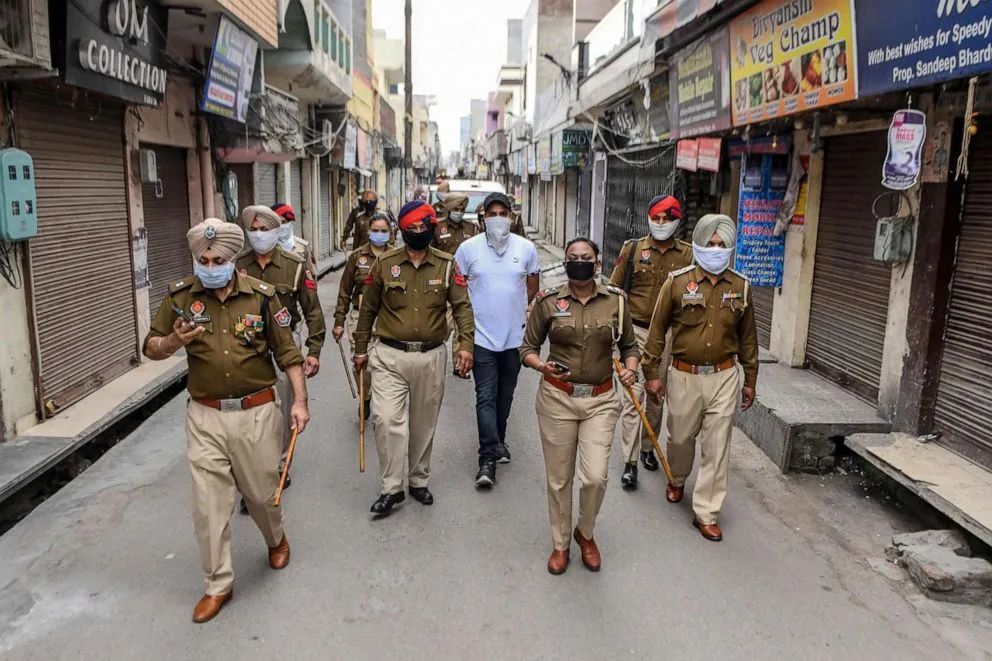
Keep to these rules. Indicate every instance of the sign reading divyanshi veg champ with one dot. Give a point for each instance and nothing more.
(787, 56)
(921, 42)
(700, 87)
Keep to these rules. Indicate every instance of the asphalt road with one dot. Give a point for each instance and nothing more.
(108, 567)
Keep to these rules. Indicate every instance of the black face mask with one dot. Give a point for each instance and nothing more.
(580, 271)
(369, 205)
(418, 240)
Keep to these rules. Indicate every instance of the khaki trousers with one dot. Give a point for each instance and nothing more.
(570, 427)
(231, 451)
(285, 391)
(407, 391)
(633, 435)
(352, 323)
(701, 409)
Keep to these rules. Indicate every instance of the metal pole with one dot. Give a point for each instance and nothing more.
(408, 91)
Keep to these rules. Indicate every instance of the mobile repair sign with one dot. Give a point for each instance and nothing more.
(913, 43)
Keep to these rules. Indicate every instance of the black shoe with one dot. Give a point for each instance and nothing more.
(629, 478)
(486, 477)
(289, 481)
(368, 409)
(504, 454)
(422, 495)
(244, 507)
(649, 461)
(384, 503)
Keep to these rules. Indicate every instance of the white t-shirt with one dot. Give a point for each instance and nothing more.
(497, 286)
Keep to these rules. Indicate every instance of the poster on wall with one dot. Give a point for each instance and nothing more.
(229, 76)
(700, 87)
(350, 146)
(921, 43)
(907, 132)
(686, 154)
(760, 254)
(787, 56)
(575, 148)
(708, 158)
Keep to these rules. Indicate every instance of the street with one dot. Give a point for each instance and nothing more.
(108, 567)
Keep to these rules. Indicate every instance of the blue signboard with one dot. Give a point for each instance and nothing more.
(912, 43)
(229, 77)
(760, 254)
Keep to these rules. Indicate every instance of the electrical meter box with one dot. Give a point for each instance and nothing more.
(893, 240)
(18, 200)
(148, 162)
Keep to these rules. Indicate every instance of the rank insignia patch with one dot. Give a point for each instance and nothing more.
(283, 318)
(395, 271)
(197, 308)
(562, 304)
(645, 254)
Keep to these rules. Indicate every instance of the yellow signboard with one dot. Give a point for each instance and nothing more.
(787, 56)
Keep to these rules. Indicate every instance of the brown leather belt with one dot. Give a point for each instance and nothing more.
(240, 404)
(683, 366)
(580, 389)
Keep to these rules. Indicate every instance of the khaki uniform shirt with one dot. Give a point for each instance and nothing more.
(297, 289)
(357, 222)
(710, 323)
(353, 278)
(410, 304)
(651, 268)
(302, 248)
(582, 336)
(233, 357)
(450, 235)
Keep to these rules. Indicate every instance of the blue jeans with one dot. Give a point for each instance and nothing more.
(495, 374)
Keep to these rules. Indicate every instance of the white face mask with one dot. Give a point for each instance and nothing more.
(286, 236)
(713, 259)
(456, 216)
(263, 242)
(498, 233)
(663, 231)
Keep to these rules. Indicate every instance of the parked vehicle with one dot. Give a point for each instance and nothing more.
(475, 189)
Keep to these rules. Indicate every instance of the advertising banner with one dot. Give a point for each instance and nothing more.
(232, 67)
(531, 159)
(699, 78)
(708, 157)
(903, 160)
(760, 254)
(686, 154)
(350, 146)
(575, 148)
(544, 158)
(787, 56)
(921, 42)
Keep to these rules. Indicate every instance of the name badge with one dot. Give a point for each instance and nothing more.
(692, 298)
(444, 236)
(434, 283)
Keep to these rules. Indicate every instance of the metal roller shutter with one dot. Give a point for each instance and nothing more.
(82, 284)
(265, 184)
(296, 187)
(964, 392)
(850, 297)
(763, 300)
(167, 221)
(325, 212)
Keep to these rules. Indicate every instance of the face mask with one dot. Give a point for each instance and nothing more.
(418, 240)
(215, 277)
(714, 259)
(263, 242)
(580, 271)
(286, 236)
(377, 238)
(498, 233)
(663, 231)
(456, 216)
(369, 205)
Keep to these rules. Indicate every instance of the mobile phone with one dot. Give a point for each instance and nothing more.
(560, 368)
(182, 314)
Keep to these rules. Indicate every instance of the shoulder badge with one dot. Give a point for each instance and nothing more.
(616, 290)
(682, 270)
(440, 253)
(283, 318)
(259, 286)
(544, 293)
(292, 256)
(181, 284)
(301, 242)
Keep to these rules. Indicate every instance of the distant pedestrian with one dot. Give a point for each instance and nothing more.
(708, 310)
(232, 327)
(357, 224)
(577, 405)
(504, 274)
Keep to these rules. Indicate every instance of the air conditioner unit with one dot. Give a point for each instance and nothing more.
(327, 134)
(23, 26)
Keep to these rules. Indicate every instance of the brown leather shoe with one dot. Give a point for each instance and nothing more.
(279, 555)
(673, 493)
(558, 562)
(590, 552)
(207, 608)
(710, 531)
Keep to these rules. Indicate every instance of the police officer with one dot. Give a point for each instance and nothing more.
(295, 286)
(353, 277)
(452, 229)
(577, 404)
(232, 327)
(708, 309)
(641, 269)
(288, 241)
(406, 300)
(357, 223)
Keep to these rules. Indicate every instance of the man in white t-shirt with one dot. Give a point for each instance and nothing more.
(503, 275)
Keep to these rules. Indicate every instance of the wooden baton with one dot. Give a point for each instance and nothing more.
(285, 468)
(647, 425)
(361, 420)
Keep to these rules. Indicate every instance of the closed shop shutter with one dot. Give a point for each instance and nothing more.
(763, 300)
(325, 212)
(296, 187)
(82, 283)
(850, 297)
(166, 222)
(265, 184)
(246, 184)
(964, 391)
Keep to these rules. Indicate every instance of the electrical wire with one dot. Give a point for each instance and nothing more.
(10, 264)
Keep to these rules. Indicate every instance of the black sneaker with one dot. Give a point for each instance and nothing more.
(244, 507)
(504, 454)
(629, 478)
(649, 461)
(486, 477)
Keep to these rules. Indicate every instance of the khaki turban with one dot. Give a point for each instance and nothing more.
(226, 239)
(269, 218)
(455, 201)
(716, 223)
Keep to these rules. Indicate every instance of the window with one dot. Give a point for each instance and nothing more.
(394, 88)
(334, 44)
(324, 30)
(347, 56)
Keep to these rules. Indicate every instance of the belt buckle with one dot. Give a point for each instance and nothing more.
(705, 370)
(230, 405)
(415, 346)
(582, 390)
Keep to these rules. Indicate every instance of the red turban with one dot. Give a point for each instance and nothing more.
(414, 211)
(667, 204)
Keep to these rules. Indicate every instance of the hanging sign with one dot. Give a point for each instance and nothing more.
(700, 87)
(907, 132)
(708, 157)
(686, 154)
(229, 76)
(787, 56)
(760, 254)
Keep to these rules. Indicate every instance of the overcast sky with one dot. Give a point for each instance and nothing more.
(458, 47)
